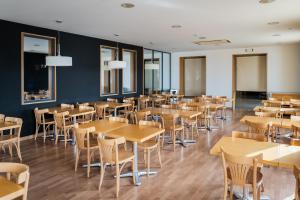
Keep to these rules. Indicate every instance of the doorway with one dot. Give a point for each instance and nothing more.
(193, 76)
(249, 80)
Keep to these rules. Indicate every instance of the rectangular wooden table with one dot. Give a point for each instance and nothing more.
(274, 154)
(73, 112)
(181, 113)
(113, 105)
(288, 111)
(133, 133)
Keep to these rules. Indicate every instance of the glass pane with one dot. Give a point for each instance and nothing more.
(108, 78)
(157, 74)
(166, 71)
(148, 73)
(129, 73)
(38, 79)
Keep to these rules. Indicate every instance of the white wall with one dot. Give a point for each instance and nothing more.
(251, 73)
(283, 68)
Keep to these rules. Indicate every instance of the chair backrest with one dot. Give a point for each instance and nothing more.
(295, 142)
(112, 100)
(101, 110)
(2, 117)
(141, 115)
(150, 123)
(239, 167)
(131, 102)
(16, 171)
(118, 119)
(169, 121)
(295, 131)
(64, 105)
(109, 152)
(297, 177)
(83, 136)
(265, 114)
(257, 127)
(273, 99)
(40, 115)
(189, 108)
(166, 106)
(18, 121)
(295, 118)
(84, 107)
(83, 104)
(60, 119)
(247, 135)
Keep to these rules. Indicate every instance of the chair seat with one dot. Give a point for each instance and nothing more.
(9, 187)
(149, 144)
(259, 177)
(124, 156)
(7, 138)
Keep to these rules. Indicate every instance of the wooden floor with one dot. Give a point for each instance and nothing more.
(189, 173)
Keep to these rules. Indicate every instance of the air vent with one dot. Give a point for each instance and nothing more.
(212, 42)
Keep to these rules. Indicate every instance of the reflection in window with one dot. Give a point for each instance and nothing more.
(129, 73)
(38, 80)
(109, 77)
(166, 71)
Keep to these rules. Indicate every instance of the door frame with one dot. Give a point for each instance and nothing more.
(234, 74)
(182, 72)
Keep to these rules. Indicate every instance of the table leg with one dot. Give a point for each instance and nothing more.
(115, 113)
(135, 169)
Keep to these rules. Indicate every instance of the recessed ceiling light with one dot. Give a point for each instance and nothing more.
(116, 35)
(127, 5)
(202, 38)
(276, 35)
(273, 23)
(151, 43)
(266, 1)
(176, 26)
(290, 28)
(58, 21)
(36, 45)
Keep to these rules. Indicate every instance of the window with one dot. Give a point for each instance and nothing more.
(129, 73)
(38, 84)
(109, 79)
(157, 76)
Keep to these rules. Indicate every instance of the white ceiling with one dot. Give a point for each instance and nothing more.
(243, 22)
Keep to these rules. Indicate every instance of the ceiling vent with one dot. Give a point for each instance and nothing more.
(212, 42)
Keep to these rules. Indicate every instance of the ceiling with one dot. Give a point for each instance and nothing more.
(148, 24)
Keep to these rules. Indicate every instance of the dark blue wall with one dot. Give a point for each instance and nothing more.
(79, 83)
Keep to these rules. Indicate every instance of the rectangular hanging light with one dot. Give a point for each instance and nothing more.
(59, 61)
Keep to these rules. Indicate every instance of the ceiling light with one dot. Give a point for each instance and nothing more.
(276, 35)
(117, 64)
(151, 43)
(290, 28)
(176, 26)
(58, 21)
(127, 5)
(116, 35)
(202, 38)
(266, 1)
(273, 23)
(212, 42)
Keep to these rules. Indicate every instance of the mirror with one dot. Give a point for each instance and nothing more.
(38, 80)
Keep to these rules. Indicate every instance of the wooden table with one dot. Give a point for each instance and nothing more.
(134, 133)
(289, 111)
(9, 189)
(181, 113)
(73, 112)
(281, 103)
(274, 154)
(113, 105)
(278, 122)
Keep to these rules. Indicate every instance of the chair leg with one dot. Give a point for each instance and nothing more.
(36, 131)
(148, 162)
(44, 131)
(231, 192)
(145, 160)
(174, 140)
(117, 180)
(225, 191)
(159, 157)
(18, 150)
(133, 179)
(65, 137)
(10, 150)
(101, 175)
(163, 140)
(56, 136)
(88, 163)
(77, 159)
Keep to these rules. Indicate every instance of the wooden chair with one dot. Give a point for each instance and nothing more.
(295, 131)
(242, 171)
(101, 111)
(128, 112)
(111, 155)
(62, 125)
(247, 135)
(190, 123)
(87, 117)
(112, 100)
(83, 104)
(265, 114)
(141, 115)
(118, 119)
(166, 106)
(66, 106)
(295, 142)
(143, 102)
(151, 144)
(258, 128)
(13, 138)
(297, 177)
(15, 184)
(85, 142)
(169, 124)
(41, 121)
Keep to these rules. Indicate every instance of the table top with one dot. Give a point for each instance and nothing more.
(277, 109)
(103, 126)
(181, 113)
(136, 133)
(275, 154)
(73, 112)
(8, 125)
(277, 102)
(279, 122)
(111, 104)
(207, 105)
(9, 188)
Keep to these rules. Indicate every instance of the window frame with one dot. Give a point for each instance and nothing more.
(135, 74)
(23, 35)
(117, 73)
